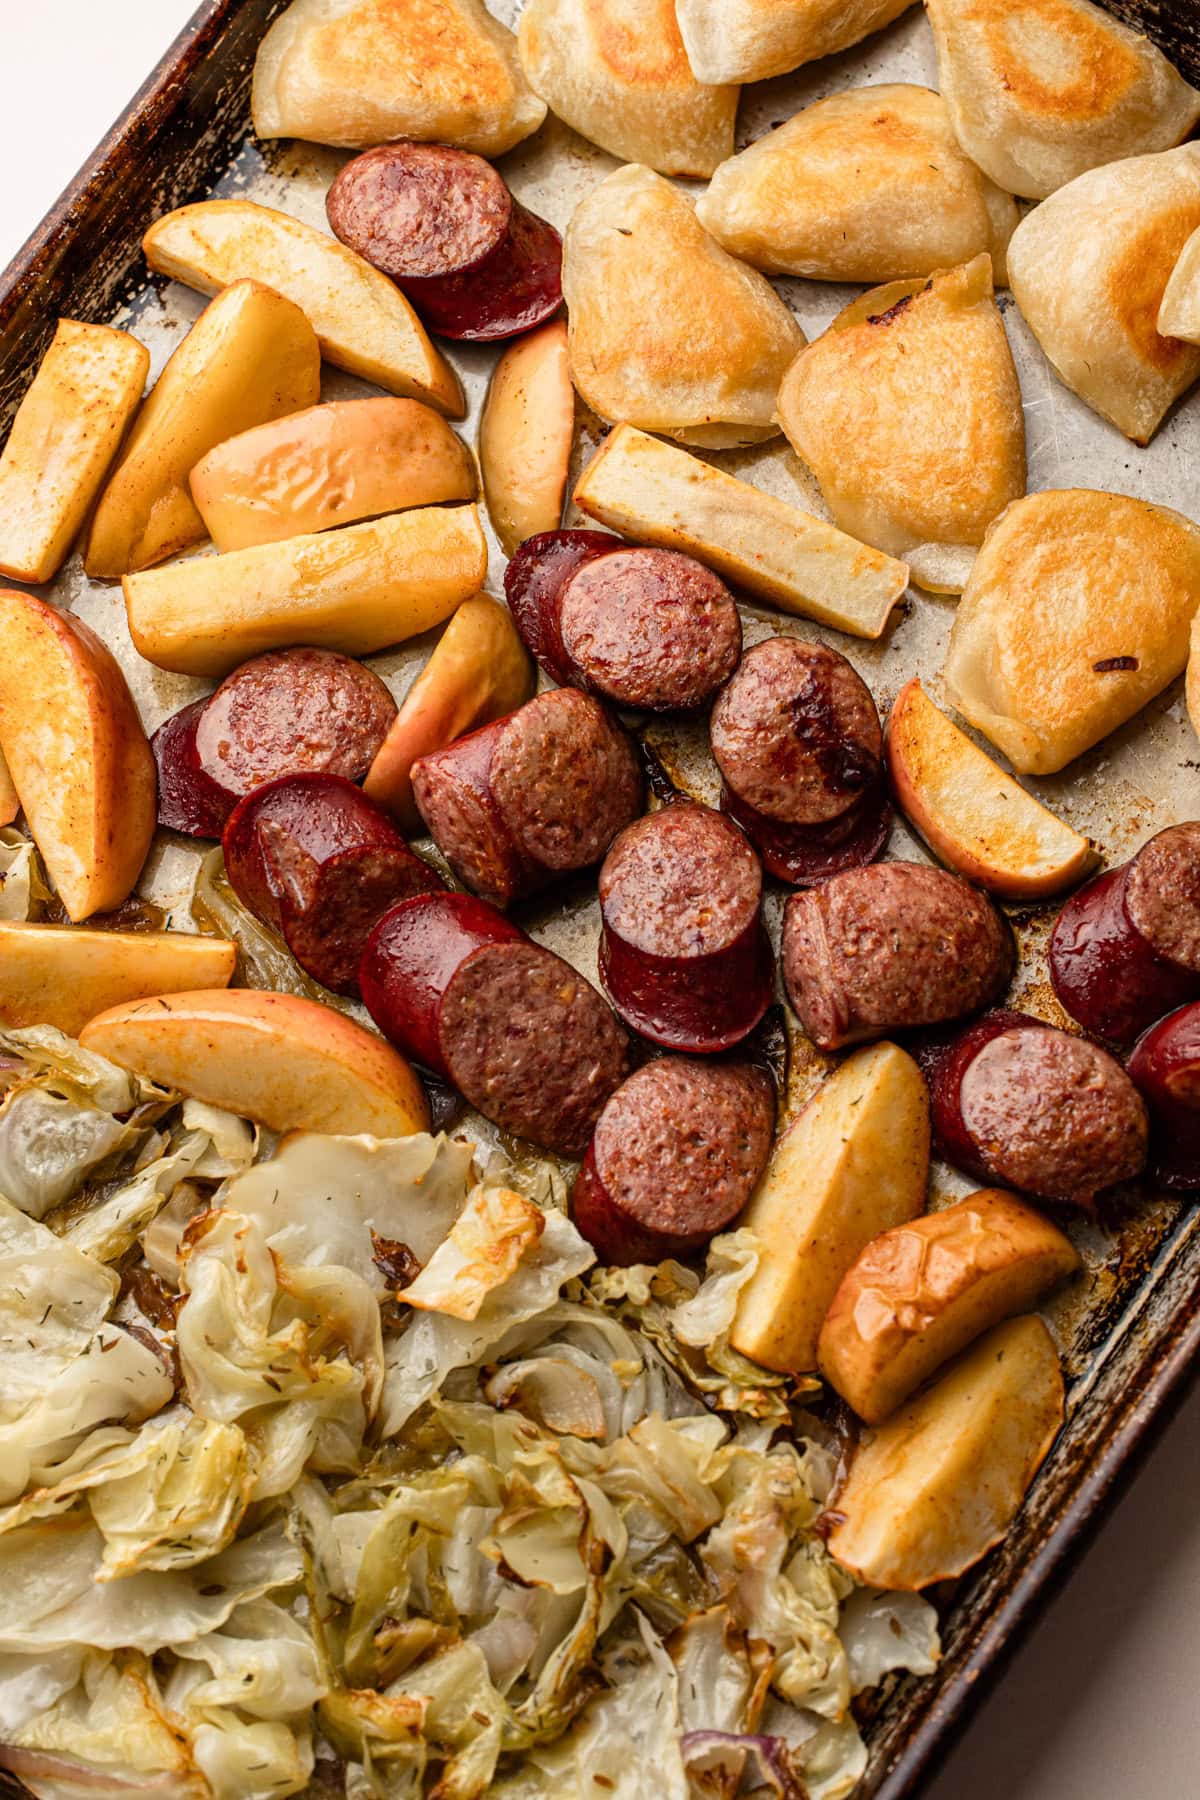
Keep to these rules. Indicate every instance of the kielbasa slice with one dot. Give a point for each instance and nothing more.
(683, 953)
(796, 734)
(1126, 948)
(890, 947)
(644, 628)
(1019, 1103)
(316, 860)
(803, 855)
(677, 1152)
(532, 796)
(443, 225)
(290, 712)
(1165, 1069)
(188, 799)
(522, 1035)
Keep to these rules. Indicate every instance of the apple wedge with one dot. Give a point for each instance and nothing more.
(63, 439)
(329, 465)
(250, 357)
(10, 800)
(931, 1491)
(855, 1163)
(63, 975)
(923, 1291)
(289, 1063)
(525, 436)
(479, 671)
(77, 754)
(659, 494)
(356, 590)
(973, 815)
(362, 320)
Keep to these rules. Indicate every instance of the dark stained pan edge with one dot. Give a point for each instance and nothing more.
(177, 134)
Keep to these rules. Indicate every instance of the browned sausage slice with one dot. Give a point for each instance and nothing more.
(441, 222)
(292, 712)
(795, 733)
(677, 1153)
(890, 947)
(534, 795)
(683, 954)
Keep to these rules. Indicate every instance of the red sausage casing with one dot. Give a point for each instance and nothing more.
(683, 953)
(678, 1150)
(441, 222)
(534, 795)
(1021, 1104)
(188, 799)
(1165, 1068)
(1126, 948)
(316, 860)
(642, 627)
(890, 947)
(522, 1035)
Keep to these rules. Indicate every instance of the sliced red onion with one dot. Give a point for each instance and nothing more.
(722, 1757)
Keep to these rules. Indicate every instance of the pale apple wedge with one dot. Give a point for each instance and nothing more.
(657, 493)
(525, 435)
(251, 357)
(10, 802)
(935, 1488)
(289, 1063)
(974, 816)
(67, 430)
(923, 1291)
(479, 671)
(77, 754)
(63, 975)
(362, 320)
(358, 590)
(855, 1163)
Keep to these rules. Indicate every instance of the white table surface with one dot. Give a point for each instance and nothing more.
(1101, 1703)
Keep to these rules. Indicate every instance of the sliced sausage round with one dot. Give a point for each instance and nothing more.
(891, 947)
(1126, 948)
(527, 1041)
(533, 583)
(678, 1150)
(1019, 1103)
(534, 795)
(683, 953)
(803, 855)
(188, 799)
(1165, 1069)
(291, 712)
(316, 860)
(443, 225)
(795, 734)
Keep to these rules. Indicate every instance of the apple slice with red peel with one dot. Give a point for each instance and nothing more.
(77, 754)
(63, 975)
(974, 816)
(289, 1063)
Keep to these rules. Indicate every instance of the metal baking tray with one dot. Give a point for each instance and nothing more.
(1130, 1330)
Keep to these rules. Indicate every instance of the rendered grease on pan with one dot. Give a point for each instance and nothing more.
(414, 1496)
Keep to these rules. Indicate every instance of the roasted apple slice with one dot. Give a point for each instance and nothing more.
(63, 975)
(921, 1292)
(974, 816)
(931, 1491)
(250, 357)
(479, 671)
(78, 756)
(290, 1063)
(362, 320)
(356, 590)
(66, 433)
(855, 1163)
(525, 436)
